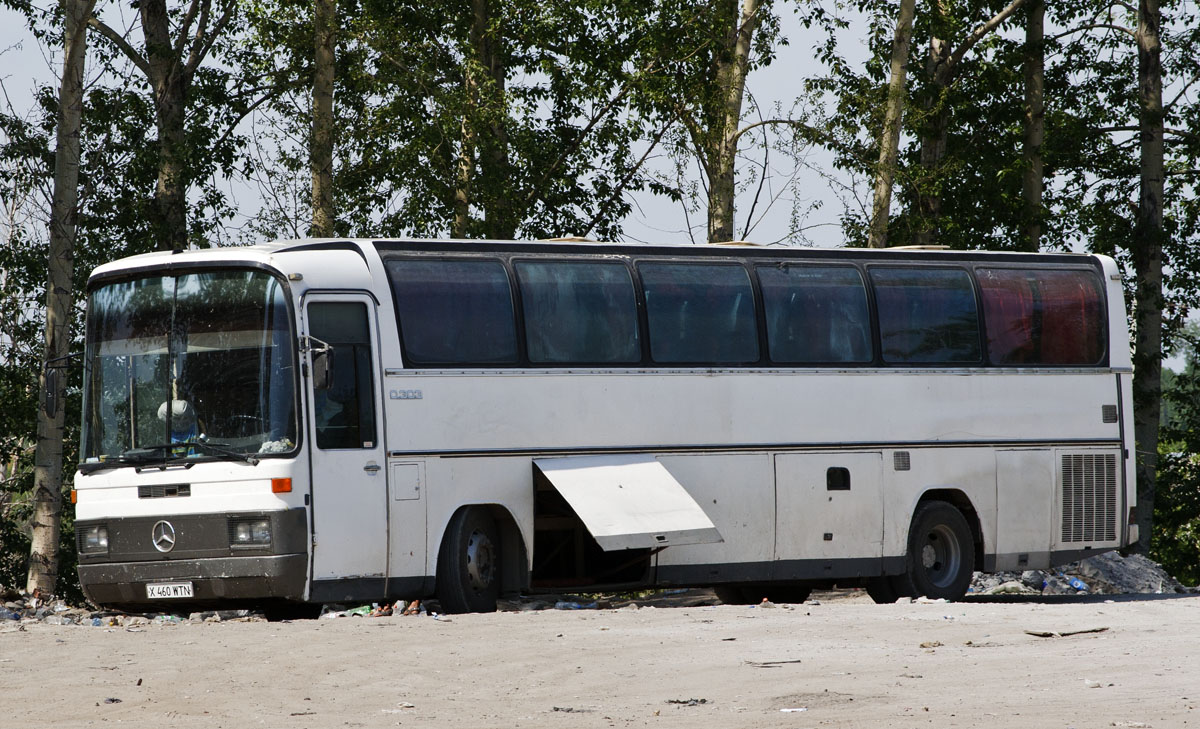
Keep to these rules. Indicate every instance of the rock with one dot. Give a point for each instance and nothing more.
(1056, 585)
(1013, 587)
(1033, 579)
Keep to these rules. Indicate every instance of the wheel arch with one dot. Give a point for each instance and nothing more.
(959, 500)
(514, 564)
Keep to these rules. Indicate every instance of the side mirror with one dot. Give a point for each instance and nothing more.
(50, 396)
(322, 364)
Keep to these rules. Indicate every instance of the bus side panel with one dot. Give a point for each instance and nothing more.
(830, 507)
(543, 411)
(911, 474)
(737, 492)
(1024, 509)
(407, 533)
(457, 482)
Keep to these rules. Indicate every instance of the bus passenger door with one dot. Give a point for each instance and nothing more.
(349, 481)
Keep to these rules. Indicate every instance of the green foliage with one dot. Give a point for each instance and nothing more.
(1176, 539)
(546, 125)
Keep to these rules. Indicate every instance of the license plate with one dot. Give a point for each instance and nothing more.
(157, 590)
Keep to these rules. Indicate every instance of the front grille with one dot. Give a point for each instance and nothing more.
(164, 492)
(1089, 497)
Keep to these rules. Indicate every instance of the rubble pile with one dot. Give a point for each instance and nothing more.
(19, 608)
(1104, 574)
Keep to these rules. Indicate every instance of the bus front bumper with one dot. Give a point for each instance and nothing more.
(276, 576)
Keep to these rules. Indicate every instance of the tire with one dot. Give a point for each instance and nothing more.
(734, 595)
(882, 590)
(468, 573)
(753, 593)
(941, 554)
(787, 594)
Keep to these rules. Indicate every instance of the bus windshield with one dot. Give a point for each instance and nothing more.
(199, 358)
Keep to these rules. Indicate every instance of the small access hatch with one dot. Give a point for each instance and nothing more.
(629, 501)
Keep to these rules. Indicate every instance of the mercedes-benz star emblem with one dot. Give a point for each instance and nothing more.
(163, 536)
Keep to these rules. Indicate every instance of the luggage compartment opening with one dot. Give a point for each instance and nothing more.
(566, 555)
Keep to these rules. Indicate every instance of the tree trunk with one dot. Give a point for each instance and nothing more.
(483, 148)
(943, 64)
(321, 153)
(889, 138)
(48, 455)
(499, 214)
(933, 142)
(464, 169)
(1035, 125)
(1148, 236)
(169, 83)
(731, 82)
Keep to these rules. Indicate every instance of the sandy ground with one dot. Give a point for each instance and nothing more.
(842, 663)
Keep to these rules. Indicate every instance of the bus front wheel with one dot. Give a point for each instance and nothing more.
(468, 574)
(941, 554)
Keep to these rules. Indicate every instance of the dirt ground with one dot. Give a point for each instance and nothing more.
(842, 663)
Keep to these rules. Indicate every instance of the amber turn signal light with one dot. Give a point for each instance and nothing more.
(281, 485)
(74, 496)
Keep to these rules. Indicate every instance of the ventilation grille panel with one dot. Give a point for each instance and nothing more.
(901, 461)
(1089, 497)
(164, 492)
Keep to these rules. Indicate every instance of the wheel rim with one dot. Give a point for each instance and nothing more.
(941, 555)
(481, 561)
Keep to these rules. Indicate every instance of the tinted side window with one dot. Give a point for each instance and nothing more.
(1043, 316)
(926, 315)
(454, 311)
(700, 313)
(579, 311)
(815, 314)
(345, 413)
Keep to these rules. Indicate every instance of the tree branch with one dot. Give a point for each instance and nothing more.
(979, 33)
(762, 179)
(620, 189)
(1166, 130)
(186, 25)
(249, 110)
(205, 41)
(583, 133)
(1182, 91)
(1093, 26)
(119, 41)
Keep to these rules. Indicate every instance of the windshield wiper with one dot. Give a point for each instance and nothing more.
(149, 455)
(201, 443)
(141, 456)
(222, 449)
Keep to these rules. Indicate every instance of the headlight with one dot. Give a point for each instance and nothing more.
(94, 538)
(249, 532)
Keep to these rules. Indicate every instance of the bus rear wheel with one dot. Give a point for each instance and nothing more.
(468, 574)
(941, 554)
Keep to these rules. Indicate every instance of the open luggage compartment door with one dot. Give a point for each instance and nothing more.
(629, 501)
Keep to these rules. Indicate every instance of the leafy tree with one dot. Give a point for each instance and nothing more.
(503, 119)
(1175, 541)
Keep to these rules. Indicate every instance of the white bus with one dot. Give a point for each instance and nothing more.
(332, 421)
